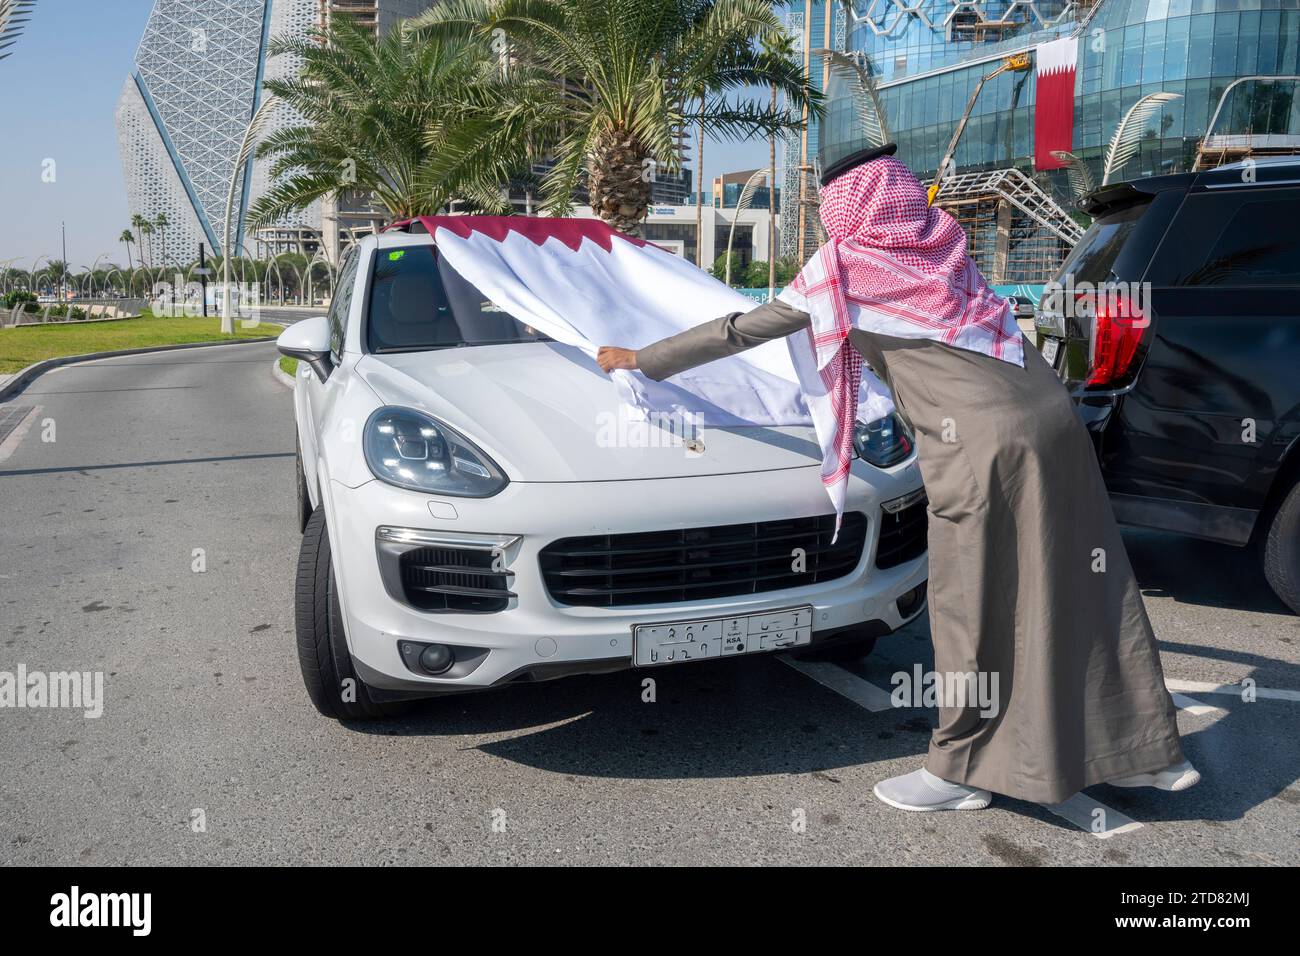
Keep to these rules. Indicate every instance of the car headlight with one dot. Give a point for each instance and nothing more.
(411, 450)
(882, 443)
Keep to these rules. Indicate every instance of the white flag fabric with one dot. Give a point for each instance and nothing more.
(583, 284)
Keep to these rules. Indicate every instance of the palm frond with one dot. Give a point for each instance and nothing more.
(1081, 183)
(14, 15)
(862, 89)
(1128, 134)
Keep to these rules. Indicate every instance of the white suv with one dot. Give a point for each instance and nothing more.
(468, 523)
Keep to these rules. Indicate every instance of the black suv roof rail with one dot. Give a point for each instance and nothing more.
(1269, 170)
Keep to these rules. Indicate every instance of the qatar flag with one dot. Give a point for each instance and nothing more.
(1054, 111)
(586, 285)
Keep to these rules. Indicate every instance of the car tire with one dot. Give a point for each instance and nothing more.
(323, 654)
(1281, 550)
(304, 497)
(841, 652)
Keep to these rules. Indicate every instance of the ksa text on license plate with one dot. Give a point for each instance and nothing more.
(710, 638)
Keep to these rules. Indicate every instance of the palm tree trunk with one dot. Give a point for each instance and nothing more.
(771, 208)
(616, 185)
(699, 198)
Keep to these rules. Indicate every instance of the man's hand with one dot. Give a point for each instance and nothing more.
(610, 357)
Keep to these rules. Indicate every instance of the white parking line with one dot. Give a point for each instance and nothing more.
(1194, 707)
(1232, 690)
(1081, 810)
(844, 682)
(1097, 818)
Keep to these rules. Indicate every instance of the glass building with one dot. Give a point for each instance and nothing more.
(183, 112)
(928, 55)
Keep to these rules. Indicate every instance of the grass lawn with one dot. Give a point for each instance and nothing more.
(26, 344)
(289, 366)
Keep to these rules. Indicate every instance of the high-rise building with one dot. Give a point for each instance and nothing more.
(813, 25)
(184, 110)
(1091, 61)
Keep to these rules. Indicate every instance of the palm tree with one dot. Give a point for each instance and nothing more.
(146, 230)
(137, 223)
(56, 270)
(777, 46)
(162, 222)
(127, 237)
(634, 73)
(373, 114)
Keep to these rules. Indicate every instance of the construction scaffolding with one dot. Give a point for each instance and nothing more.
(1015, 231)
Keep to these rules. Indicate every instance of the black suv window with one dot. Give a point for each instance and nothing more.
(418, 302)
(1094, 257)
(1237, 240)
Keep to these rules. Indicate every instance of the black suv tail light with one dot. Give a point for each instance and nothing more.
(1118, 326)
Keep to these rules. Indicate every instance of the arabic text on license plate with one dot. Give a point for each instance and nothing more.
(710, 638)
(1050, 347)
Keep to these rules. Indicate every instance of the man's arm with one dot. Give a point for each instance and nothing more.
(719, 338)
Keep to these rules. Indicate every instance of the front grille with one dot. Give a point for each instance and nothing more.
(453, 579)
(692, 564)
(902, 535)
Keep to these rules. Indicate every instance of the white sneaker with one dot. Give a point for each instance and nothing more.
(922, 791)
(1180, 776)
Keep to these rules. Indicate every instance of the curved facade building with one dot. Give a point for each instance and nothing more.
(929, 54)
(183, 111)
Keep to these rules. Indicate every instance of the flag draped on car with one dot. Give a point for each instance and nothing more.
(584, 284)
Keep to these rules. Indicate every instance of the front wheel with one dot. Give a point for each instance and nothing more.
(332, 683)
(1281, 550)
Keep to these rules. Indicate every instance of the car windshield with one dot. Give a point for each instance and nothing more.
(419, 302)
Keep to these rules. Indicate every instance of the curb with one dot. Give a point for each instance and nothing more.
(280, 375)
(24, 377)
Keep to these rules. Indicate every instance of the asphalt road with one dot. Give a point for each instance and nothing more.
(155, 456)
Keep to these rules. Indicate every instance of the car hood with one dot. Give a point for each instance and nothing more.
(546, 412)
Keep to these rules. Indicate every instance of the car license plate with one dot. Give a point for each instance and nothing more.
(1051, 346)
(715, 637)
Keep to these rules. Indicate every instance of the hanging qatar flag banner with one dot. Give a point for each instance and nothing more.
(1055, 65)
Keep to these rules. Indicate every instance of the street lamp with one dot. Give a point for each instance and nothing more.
(746, 197)
(255, 127)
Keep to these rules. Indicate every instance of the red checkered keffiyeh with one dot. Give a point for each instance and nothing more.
(893, 265)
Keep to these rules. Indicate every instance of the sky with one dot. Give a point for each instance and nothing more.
(60, 87)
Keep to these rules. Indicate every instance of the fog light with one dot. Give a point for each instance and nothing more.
(909, 602)
(436, 659)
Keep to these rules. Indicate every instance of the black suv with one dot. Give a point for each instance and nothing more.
(1175, 322)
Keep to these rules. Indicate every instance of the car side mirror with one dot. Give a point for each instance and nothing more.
(309, 341)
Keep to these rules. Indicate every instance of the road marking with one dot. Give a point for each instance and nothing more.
(1081, 810)
(15, 436)
(1232, 690)
(1194, 707)
(845, 683)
